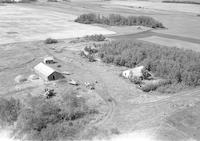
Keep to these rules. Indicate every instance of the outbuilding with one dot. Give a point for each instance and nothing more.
(134, 72)
(49, 60)
(47, 73)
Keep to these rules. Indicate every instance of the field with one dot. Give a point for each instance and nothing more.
(131, 112)
(172, 43)
(27, 24)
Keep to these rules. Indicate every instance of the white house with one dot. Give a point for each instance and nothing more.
(134, 72)
(47, 73)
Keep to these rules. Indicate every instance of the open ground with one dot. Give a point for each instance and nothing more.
(165, 117)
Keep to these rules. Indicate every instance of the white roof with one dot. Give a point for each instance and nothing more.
(49, 58)
(44, 69)
(136, 71)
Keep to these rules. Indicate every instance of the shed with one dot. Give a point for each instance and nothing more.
(49, 60)
(47, 73)
(134, 72)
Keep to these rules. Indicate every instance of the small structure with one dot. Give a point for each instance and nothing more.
(47, 73)
(135, 72)
(49, 60)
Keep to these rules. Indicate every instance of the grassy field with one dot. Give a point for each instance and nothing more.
(172, 43)
(160, 6)
(28, 24)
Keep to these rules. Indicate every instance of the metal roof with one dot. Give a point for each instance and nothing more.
(44, 69)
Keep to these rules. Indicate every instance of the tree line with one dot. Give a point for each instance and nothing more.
(119, 20)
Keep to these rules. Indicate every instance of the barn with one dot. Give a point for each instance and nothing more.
(47, 73)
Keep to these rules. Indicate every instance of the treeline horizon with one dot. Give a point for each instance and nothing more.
(119, 20)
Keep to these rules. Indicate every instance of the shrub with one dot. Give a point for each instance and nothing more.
(90, 50)
(118, 20)
(97, 38)
(149, 87)
(51, 41)
(9, 110)
(136, 80)
(91, 58)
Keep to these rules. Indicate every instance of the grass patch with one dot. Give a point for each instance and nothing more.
(118, 20)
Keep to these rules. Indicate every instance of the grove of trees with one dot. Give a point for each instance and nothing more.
(174, 64)
(119, 20)
(39, 118)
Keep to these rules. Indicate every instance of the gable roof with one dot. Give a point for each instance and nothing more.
(44, 69)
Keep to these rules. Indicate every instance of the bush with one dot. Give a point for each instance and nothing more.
(91, 58)
(149, 87)
(136, 80)
(91, 50)
(9, 110)
(51, 41)
(97, 38)
(118, 20)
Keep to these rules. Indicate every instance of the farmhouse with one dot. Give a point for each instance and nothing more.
(47, 73)
(134, 72)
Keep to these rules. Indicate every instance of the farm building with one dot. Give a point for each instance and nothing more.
(49, 60)
(47, 73)
(134, 72)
